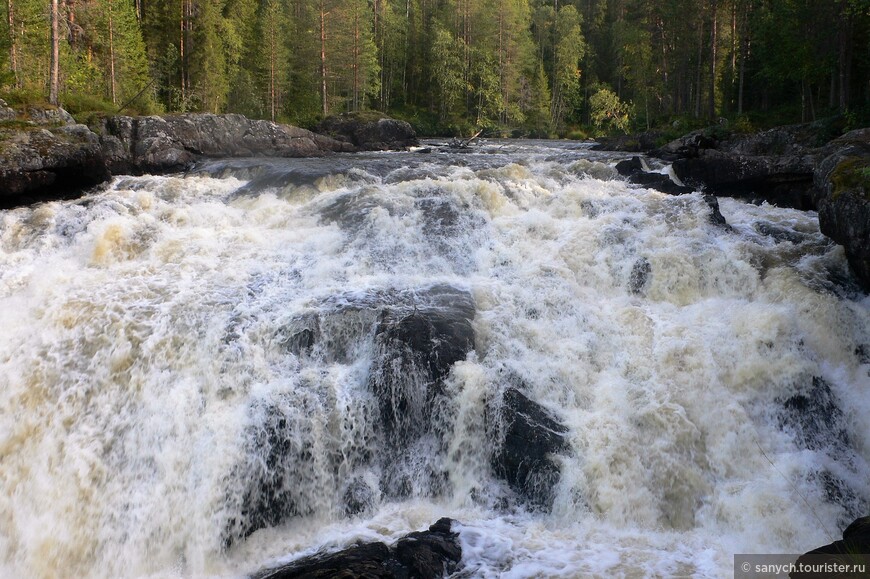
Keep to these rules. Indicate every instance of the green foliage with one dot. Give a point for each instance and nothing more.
(608, 112)
(519, 67)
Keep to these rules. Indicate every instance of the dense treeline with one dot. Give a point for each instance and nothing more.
(537, 66)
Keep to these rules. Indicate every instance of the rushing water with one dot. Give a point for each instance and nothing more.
(157, 334)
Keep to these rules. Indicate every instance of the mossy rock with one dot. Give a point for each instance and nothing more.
(853, 173)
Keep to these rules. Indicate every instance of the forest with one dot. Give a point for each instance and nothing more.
(514, 67)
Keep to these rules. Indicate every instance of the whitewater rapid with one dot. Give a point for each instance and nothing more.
(144, 346)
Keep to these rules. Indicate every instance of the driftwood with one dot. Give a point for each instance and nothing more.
(464, 143)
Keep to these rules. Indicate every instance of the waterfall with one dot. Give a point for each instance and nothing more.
(203, 374)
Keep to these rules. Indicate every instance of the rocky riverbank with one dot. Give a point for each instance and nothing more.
(793, 166)
(45, 154)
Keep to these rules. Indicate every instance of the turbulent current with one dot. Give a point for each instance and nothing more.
(206, 374)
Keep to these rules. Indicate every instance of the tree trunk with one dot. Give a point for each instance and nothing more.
(699, 68)
(55, 56)
(355, 106)
(181, 67)
(272, 51)
(112, 55)
(713, 39)
(844, 58)
(323, 93)
(13, 53)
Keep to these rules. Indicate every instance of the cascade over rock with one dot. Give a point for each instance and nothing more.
(526, 438)
(416, 337)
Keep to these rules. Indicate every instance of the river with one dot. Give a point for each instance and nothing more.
(172, 346)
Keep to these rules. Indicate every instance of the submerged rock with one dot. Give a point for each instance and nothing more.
(427, 554)
(526, 436)
(415, 337)
(370, 131)
(813, 416)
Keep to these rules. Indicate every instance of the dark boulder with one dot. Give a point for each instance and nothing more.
(813, 415)
(276, 454)
(416, 349)
(369, 131)
(637, 172)
(775, 166)
(430, 554)
(716, 217)
(526, 436)
(688, 146)
(853, 549)
(843, 192)
(638, 279)
(783, 181)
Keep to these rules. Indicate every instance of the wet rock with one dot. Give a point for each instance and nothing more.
(358, 498)
(783, 181)
(716, 217)
(854, 548)
(637, 172)
(370, 132)
(775, 166)
(813, 415)
(430, 554)
(659, 182)
(628, 167)
(415, 351)
(526, 438)
(843, 192)
(270, 495)
(778, 234)
(638, 279)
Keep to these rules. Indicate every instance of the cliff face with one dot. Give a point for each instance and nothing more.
(843, 187)
(47, 155)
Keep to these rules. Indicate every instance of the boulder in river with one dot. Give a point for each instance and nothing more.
(636, 171)
(370, 131)
(415, 351)
(429, 554)
(526, 436)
